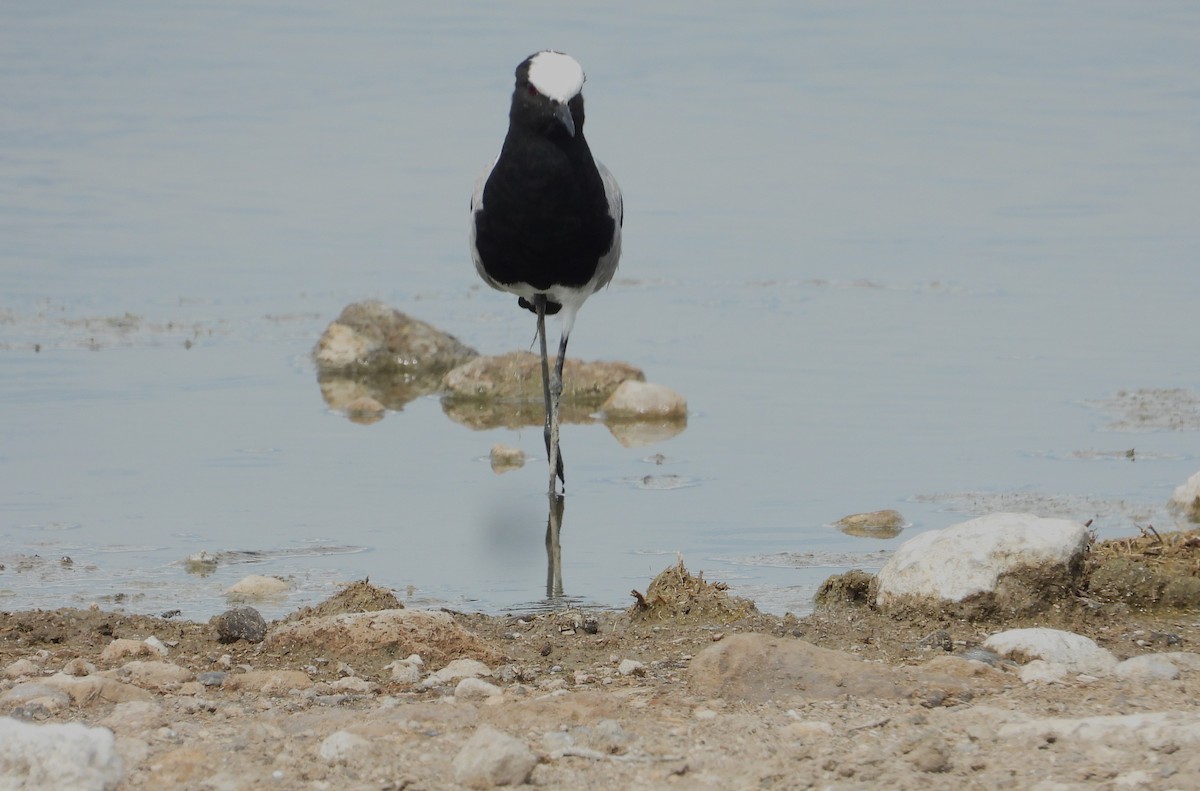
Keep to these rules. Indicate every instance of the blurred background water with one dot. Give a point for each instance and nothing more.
(895, 256)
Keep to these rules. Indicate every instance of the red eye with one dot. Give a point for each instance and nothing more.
(532, 91)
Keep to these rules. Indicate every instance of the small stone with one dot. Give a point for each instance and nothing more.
(341, 746)
(213, 678)
(492, 758)
(505, 458)
(1039, 671)
(475, 689)
(459, 668)
(355, 685)
(365, 410)
(631, 667)
(122, 647)
(155, 675)
(156, 645)
(241, 623)
(1148, 667)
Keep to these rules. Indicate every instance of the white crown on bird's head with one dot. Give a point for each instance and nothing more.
(556, 75)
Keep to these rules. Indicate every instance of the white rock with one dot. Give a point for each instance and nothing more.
(1077, 653)
(1147, 667)
(491, 758)
(631, 667)
(257, 586)
(459, 668)
(1040, 671)
(475, 689)
(340, 746)
(156, 645)
(70, 756)
(1187, 496)
(970, 557)
(634, 400)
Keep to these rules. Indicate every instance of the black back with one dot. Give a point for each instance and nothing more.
(545, 219)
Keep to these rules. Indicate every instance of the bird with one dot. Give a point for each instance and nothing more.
(546, 216)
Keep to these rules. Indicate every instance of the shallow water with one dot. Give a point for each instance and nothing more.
(893, 258)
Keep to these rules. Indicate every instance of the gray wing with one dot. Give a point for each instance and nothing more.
(607, 266)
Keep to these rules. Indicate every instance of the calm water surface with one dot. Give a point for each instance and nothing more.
(893, 257)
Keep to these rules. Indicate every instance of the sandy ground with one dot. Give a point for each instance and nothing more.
(570, 691)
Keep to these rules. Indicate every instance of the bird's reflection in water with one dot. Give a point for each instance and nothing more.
(554, 582)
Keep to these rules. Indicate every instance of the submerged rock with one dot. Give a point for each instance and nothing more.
(505, 458)
(1015, 563)
(874, 524)
(517, 376)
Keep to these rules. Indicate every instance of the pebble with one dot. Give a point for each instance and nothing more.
(340, 747)
(155, 675)
(505, 457)
(123, 647)
(79, 667)
(1078, 653)
(354, 684)
(1148, 667)
(241, 623)
(491, 758)
(475, 689)
(459, 668)
(631, 667)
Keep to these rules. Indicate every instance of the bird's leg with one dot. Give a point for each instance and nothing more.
(551, 426)
(556, 389)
